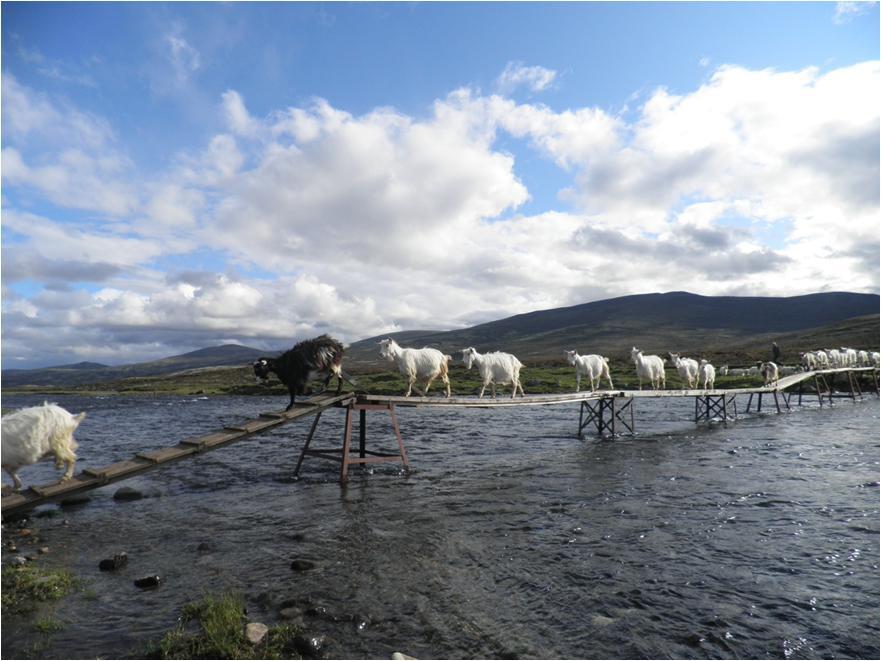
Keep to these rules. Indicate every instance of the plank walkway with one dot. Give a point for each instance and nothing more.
(568, 398)
(601, 404)
(141, 462)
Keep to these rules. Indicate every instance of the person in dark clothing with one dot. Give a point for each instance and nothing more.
(775, 353)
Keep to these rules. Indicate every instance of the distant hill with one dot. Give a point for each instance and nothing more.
(675, 321)
(80, 373)
(723, 328)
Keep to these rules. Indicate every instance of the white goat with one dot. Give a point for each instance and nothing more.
(809, 360)
(707, 375)
(417, 364)
(822, 359)
(495, 367)
(592, 366)
(36, 432)
(687, 368)
(649, 367)
(770, 373)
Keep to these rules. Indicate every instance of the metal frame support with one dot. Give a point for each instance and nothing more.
(364, 456)
(603, 413)
(714, 405)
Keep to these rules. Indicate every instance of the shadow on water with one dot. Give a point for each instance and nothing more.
(753, 539)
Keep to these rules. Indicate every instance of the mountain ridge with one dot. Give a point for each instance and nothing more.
(660, 322)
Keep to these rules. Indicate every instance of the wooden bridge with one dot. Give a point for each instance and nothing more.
(605, 411)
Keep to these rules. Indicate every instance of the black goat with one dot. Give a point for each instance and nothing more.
(307, 360)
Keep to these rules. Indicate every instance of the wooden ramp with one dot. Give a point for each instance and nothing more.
(141, 462)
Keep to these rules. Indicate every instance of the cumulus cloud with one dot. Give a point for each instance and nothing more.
(319, 220)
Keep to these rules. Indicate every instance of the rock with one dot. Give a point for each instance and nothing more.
(43, 550)
(24, 532)
(19, 560)
(290, 613)
(204, 547)
(256, 632)
(148, 582)
(75, 499)
(310, 647)
(116, 562)
(397, 656)
(127, 493)
(302, 565)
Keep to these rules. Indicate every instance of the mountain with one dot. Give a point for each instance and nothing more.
(722, 328)
(80, 373)
(674, 321)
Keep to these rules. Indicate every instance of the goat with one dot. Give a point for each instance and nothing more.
(495, 367)
(770, 373)
(707, 375)
(425, 363)
(36, 432)
(592, 366)
(304, 362)
(687, 368)
(809, 360)
(649, 367)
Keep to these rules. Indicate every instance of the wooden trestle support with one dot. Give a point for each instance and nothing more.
(344, 455)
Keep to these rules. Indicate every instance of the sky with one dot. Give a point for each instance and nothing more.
(183, 175)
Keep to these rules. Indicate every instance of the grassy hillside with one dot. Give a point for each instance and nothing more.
(543, 373)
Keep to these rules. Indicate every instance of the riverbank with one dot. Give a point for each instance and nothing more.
(240, 381)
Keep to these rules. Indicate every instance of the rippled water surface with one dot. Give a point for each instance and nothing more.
(510, 538)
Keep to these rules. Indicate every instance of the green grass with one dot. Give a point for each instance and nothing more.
(214, 628)
(26, 585)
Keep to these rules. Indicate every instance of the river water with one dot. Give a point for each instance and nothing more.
(511, 538)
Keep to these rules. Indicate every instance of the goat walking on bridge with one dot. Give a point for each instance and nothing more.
(37, 432)
(307, 360)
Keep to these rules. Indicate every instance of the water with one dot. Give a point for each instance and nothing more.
(511, 538)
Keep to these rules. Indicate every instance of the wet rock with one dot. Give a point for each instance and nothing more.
(148, 582)
(310, 647)
(321, 613)
(127, 494)
(601, 620)
(256, 632)
(116, 562)
(290, 613)
(302, 565)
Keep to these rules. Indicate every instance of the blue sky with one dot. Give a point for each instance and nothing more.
(177, 175)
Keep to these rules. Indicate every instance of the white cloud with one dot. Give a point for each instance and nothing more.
(326, 221)
(185, 60)
(845, 12)
(517, 75)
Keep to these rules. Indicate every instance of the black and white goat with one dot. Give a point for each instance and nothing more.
(306, 361)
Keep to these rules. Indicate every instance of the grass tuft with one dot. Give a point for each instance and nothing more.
(214, 628)
(25, 585)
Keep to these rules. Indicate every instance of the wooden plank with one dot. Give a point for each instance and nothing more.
(90, 478)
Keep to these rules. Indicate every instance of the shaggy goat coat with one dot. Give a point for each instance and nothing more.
(36, 432)
(304, 362)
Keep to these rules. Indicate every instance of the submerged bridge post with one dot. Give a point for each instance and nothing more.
(364, 456)
(708, 406)
(603, 414)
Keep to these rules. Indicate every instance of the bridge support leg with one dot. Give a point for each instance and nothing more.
(603, 413)
(708, 406)
(364, 456)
